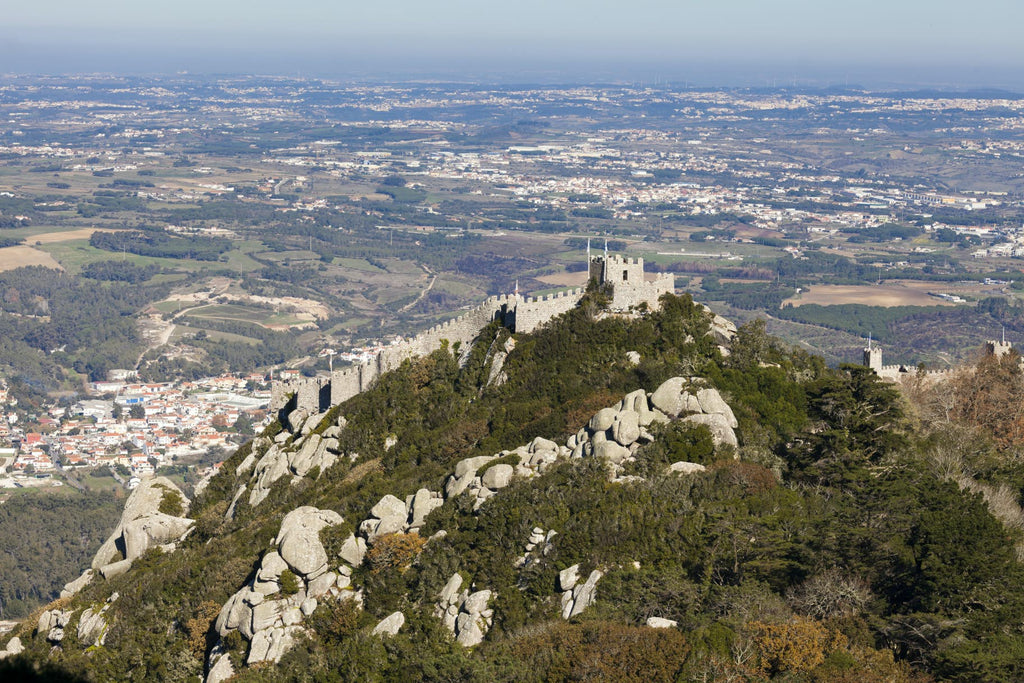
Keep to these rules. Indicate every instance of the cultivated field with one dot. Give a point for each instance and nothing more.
(65, 236)
(16, 257)
(872, 295)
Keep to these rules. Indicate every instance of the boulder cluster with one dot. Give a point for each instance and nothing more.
(615, 434)
(53, 622)
(296, 451)
(539, 542)
(466, 614)
(576, 596)
(92, 624)
(682, 398)
(293, 576)
(392, 515)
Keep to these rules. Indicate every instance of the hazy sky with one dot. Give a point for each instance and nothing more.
(976, 42)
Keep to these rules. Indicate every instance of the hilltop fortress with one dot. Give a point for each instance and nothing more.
(630, 289)
(897, 373)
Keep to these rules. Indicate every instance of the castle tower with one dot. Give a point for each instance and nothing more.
(997, 348)
(597, 268)
(873, 357)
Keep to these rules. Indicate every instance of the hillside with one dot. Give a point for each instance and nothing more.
(607, 498)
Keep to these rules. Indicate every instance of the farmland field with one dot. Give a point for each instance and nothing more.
(66, 235)
(870, 295)
(16, 257)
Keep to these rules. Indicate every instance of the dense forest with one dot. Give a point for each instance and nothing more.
(47, 540)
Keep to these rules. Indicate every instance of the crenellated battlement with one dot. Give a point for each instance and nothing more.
(519, 314)
(565, 293)
(897, 373)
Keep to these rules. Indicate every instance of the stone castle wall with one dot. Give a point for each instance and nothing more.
(644, 292)
(898, 373)
(316, 394)
(520, 314)
(530, 313)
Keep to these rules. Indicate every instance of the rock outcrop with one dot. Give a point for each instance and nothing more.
(295, 452)
(467, 615)
(142, 526)
(391, 515)
(613, 434)
(498, 354)
(722, 330)
(539, 544)
(389, 625)
(294, 576)
(270, 620)
(52, 623)
(683, 467)
(72, 587)
(683, 398)
(13, 647)
(92, 625)
(576, 596)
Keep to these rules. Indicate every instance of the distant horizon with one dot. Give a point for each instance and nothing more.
(696, 75)
(877, 44)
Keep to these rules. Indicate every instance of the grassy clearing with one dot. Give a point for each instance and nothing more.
(350, 325)
(75, 254)
(869, 295)
(398, 267)
(96, 482)
(456, 287)
(172, 306)
(240, 258)
(290, 256)
(284, 320)
(52, 236)
(358, 264)
(390, 295)
(168, 278)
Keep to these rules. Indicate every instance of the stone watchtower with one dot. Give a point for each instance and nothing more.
(998, 348)
(873, 357)
(626, 276)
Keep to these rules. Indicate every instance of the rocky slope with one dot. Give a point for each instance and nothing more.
(270, 626)
(656, 497)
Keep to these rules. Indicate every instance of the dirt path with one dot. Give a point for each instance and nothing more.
(157, 332)
(426, 290)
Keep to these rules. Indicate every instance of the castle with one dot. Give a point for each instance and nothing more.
(629, 286)
(895, 373)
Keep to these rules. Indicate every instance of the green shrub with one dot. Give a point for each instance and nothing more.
(289, 582)
(171, 502)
